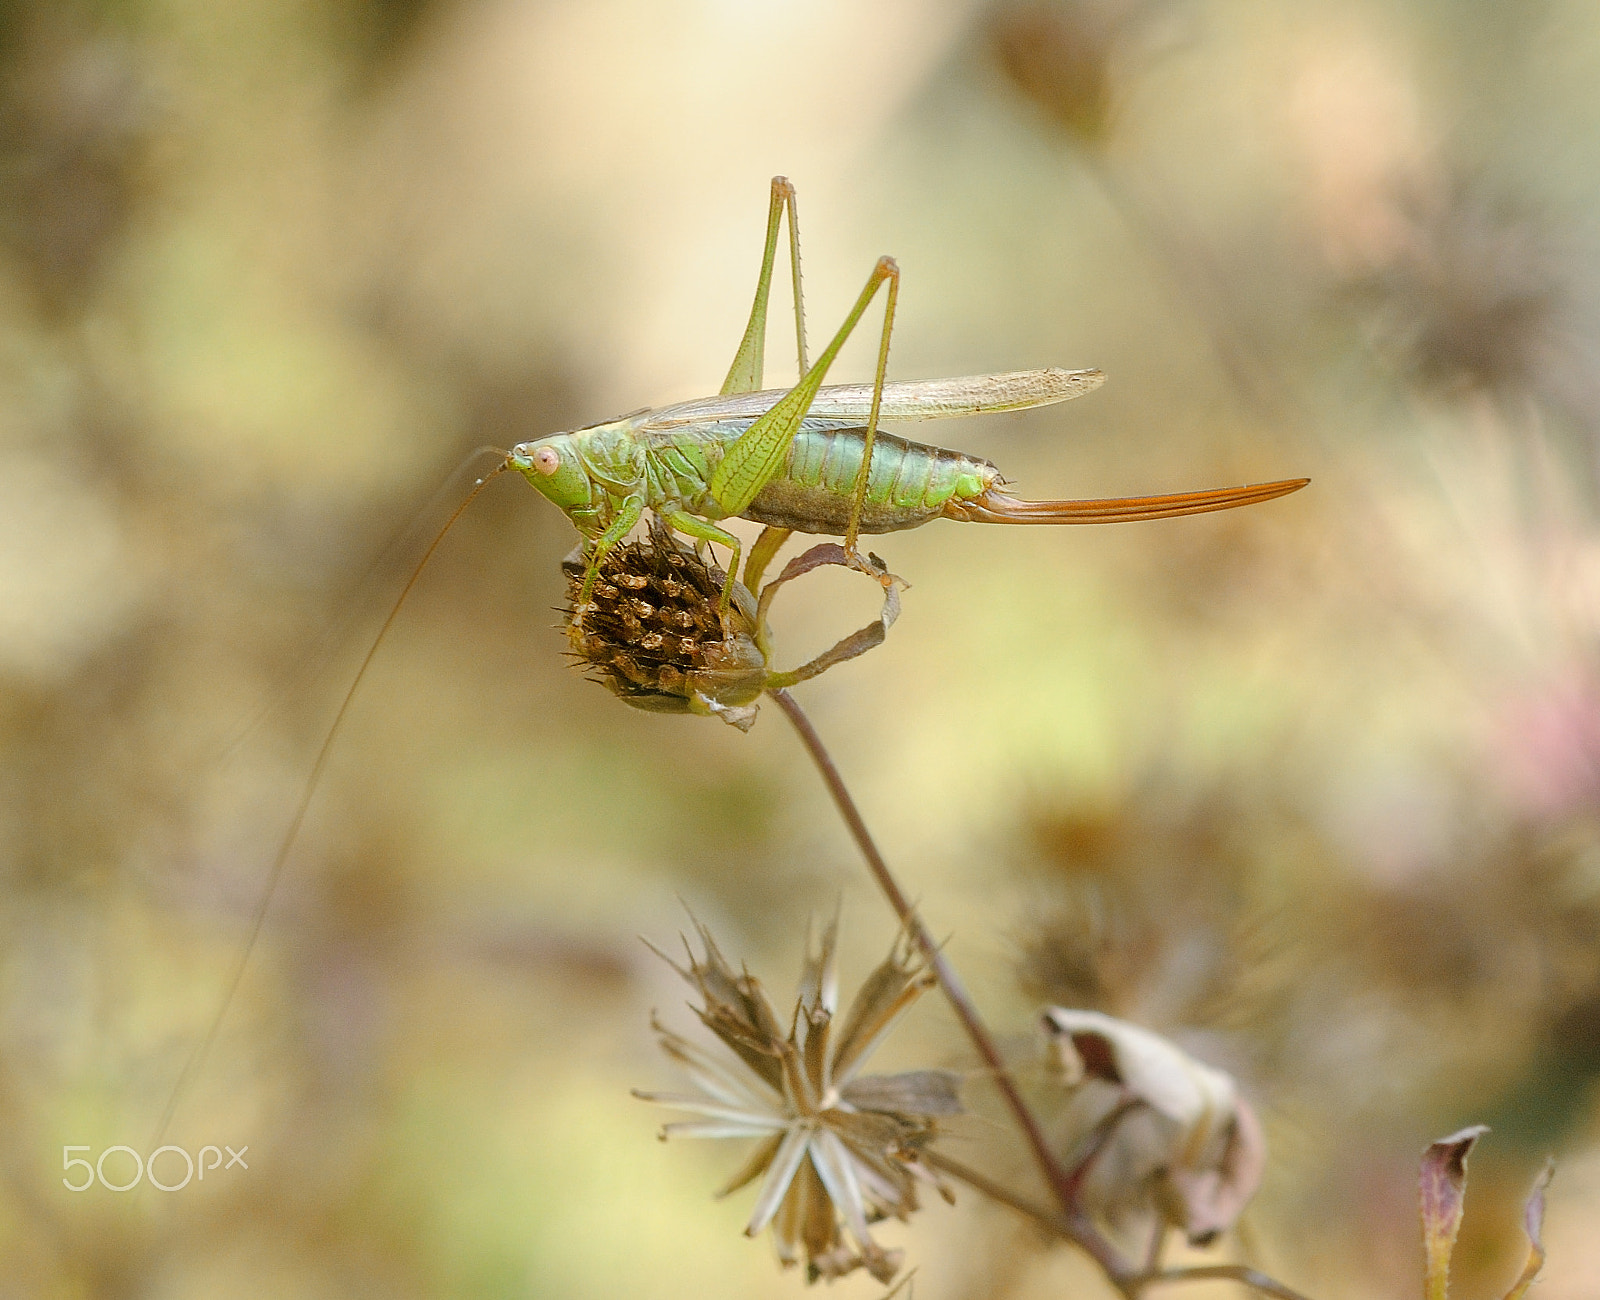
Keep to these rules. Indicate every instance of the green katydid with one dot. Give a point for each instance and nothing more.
(808, 459)
(803, 460)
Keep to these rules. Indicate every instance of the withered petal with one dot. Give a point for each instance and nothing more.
(756, 1050)
(797, 1085)
(887, 993)
(712, 1110)
(838, 1175)
(816, 1025)
(819, 977)
(870, 1130)
(882, 1264)
(709, 1128)
(714, 1077)
(788, 1225)
(780, 1173)
(819, 1224)
(886, 1185)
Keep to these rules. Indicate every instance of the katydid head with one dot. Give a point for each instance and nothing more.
(553, 466)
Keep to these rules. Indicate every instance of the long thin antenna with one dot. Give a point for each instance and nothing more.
(202, 1049)
(317, 655)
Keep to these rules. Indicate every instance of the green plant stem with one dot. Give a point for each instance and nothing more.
(1074, 1223)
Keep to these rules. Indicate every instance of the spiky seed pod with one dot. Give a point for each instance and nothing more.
(652, 635)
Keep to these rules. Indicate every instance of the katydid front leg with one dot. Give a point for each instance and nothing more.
(628, 514)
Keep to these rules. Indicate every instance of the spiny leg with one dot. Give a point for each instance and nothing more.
(628, 514)
(758, 453)
(799, 297)
(703, 530)
(864, 474)
(744, 375)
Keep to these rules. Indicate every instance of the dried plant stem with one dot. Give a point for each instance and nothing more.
(1053, 1223)
(1073, 1223)
(1046, 1218)
(1070, 1221)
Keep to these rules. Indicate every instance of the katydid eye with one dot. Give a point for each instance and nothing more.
(547, 460)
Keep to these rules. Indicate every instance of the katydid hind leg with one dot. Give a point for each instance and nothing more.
(758, 453)
(749, 362)
(864, 474)
(799, 293)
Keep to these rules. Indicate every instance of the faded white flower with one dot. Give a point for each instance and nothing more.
(836, 1150)
(1162, 1139)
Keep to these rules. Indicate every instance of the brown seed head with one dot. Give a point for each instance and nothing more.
(653, 636)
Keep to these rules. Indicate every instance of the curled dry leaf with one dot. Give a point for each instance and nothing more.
(836, 1150)
(1157, 1135)
(1442, 1191)
(1533, 1224)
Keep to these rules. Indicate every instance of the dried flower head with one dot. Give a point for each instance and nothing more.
(1160, 1138)
(653, 635)
(837, 1150)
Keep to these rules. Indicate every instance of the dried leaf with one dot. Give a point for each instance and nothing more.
(1155, 1070)
(859, 641)
(1179, 1143)
(1211, 1200)
(1533, 1223)
(1443, 1190)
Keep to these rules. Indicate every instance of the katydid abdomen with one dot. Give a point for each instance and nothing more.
(913, 482)
(910, 483)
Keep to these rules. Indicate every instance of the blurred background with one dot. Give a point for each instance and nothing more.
(1313, 787)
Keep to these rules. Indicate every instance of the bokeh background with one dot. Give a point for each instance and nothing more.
(1314, 786)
